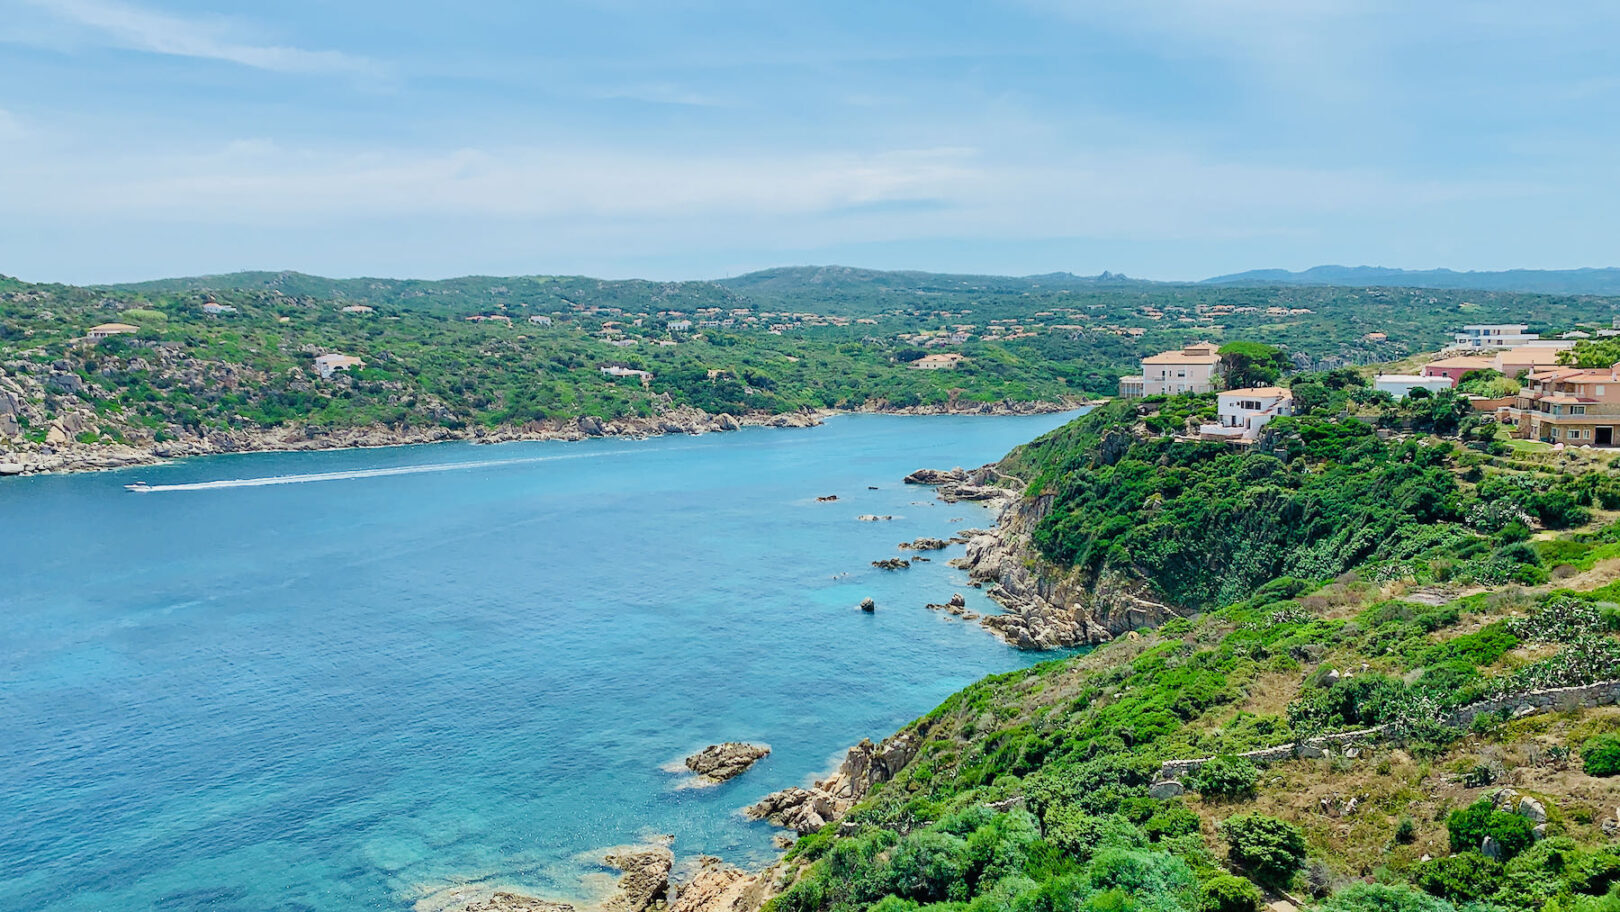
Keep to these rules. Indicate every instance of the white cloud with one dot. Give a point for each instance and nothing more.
(127, 26)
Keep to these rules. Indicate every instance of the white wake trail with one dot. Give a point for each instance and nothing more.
(348, 475)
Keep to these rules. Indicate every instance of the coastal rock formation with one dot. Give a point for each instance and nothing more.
(937, 476)
(1048, 608)
(643, 882)
(866, 765)
(892, 563)
(720, 762)
(925, 544)
(868, 605)
(868, 517)
(719, 887)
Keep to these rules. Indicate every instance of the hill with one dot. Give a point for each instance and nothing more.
(1378, 698)
(1589, 281)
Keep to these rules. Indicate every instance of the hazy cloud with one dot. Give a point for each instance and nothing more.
(136, 28)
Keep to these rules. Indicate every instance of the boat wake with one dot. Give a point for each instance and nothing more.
(143, 488)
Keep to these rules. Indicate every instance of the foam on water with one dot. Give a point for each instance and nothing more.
(453, 665)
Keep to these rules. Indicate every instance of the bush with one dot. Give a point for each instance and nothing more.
(1228, 893)
(1270, 849)
(1601, 755)
(926, 865)
(1082, 835)
(1226, 776)
(1406, 831)
(1171, 821)
(1383, 898)
(1469, 875)
(1469, 827)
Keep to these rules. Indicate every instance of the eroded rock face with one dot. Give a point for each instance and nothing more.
(865, 766)
(1047, 608)
(719, 762)
(936, 476)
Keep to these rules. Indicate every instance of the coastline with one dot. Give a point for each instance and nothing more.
(64, 458)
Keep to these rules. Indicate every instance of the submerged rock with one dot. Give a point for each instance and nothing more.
(868, 605)
(720, 762)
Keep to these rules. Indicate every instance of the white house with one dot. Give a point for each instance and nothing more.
(1243, 412)
(216, 309)
(108, 330)
(680, 325)
(1400, 385)
(540, 320)
(327, 365)
(1193, 369)
(1486, 336)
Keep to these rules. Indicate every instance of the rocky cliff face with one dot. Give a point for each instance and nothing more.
(864, 767)
(1047, 607)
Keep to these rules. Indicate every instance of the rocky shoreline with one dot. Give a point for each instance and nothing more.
(61, 453)
(1046, 608)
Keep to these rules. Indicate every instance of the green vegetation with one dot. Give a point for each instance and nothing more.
(1601, 756)
(773, 342)
(1034, 790)
(1252, 363)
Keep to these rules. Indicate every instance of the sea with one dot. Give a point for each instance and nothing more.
(379, 679)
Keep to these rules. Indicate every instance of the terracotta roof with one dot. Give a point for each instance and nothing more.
(1261, 391)
(1183, 357)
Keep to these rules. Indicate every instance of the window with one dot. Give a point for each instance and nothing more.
(1577, 410)
(1572, 434)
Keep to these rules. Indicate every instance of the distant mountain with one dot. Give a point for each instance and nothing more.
(801, 277)
(1605, 281)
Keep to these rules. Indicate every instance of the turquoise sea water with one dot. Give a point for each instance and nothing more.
(395, 670)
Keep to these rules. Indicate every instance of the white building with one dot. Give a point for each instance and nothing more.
(217, 309)
(108, 330)
(680, 325)
(1487, 336)
(1194, 369)
(327, 365)
(1243, 412)
(1400, 385)
(540, 320)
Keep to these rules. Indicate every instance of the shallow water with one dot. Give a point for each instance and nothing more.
(394, 670)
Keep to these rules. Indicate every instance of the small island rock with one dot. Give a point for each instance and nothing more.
(719, 762)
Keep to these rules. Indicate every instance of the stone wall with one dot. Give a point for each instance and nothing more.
(1604, 693)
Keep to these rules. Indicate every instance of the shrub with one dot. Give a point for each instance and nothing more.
(926, 865)
(1171, 821)
(1600, 756)
(1270, 849)
(1406, 831)
(1226, 776)
(1228, 893)
(1468, 875)
(1383, 898)
(1154, 879)
(1082, 835)
(1469, 827)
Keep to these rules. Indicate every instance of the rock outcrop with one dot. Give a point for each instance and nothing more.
(865, 766)
(643, 882)
(892, 563)
(720, 762)
(925, 544)
(1048, 608)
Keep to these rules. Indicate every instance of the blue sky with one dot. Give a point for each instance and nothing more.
(1170, 139)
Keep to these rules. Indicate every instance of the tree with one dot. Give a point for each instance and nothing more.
(1252, 364)
(1228, 893)
(1270, 849)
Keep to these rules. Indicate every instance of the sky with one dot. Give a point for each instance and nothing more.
(680, 139)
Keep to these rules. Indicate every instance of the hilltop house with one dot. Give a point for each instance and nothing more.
(1196, 368)
(1243, 412)
(947, 361)
(1509, 362)
(540, 320)
(1487, 336)
(1401, 385)
(217, 309)
(327, 365)
(108, 330)
(1573, 406)
(618, 370)
(358, 309)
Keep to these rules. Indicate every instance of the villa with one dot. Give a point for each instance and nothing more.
(1243, 412)
(327, 365)
(1573, 406)
(1196, 368)
(1401, 385)
(937, 362)
(108, 330)
(1487, 336)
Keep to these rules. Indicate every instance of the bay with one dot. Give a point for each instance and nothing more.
(347, 680)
